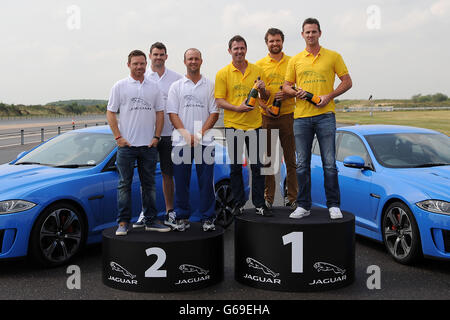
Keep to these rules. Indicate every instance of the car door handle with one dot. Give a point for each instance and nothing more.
(375, 195)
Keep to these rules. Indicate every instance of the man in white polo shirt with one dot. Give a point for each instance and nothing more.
(192, 109)
(164, 77)
(137, 132)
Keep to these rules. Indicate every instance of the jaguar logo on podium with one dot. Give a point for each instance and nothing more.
(324, 267)
(117, 267)
(255, 264)
(202, 274)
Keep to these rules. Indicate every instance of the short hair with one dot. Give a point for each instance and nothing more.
(273, 32)
(192, 49)
(158, 45)
(311, 21)
(136, 53)
(236, 38)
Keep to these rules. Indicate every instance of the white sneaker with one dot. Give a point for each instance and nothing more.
(300, 213)
(335, 213)
(140, 223)
(122, 229)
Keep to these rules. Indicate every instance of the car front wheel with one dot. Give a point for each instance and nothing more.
(57, 236)
(401, 234)
(224, 204)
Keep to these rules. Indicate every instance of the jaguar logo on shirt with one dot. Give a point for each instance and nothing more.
(276, 77)
(139, 104)
(313, 74)
(241, 87)
(192, 102)
(241, 90)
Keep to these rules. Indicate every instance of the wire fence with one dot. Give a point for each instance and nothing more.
(35, 135)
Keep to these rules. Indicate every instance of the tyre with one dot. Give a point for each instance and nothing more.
(224, 204)
(57, 235)
(401, 234)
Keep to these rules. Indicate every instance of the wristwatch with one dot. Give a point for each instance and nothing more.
(156, 137)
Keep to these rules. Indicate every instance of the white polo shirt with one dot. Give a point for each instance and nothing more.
(164, 82)
(193, 102)
(137, 103)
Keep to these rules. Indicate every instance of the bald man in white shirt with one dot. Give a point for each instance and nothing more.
(193, 112)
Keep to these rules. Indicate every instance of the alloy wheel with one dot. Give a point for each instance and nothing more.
(224, 205)
(60, 235)
(401, 234)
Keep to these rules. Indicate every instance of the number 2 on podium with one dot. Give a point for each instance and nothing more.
(296, 238)
(154, 271)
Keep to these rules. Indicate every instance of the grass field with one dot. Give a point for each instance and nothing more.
(436, 120)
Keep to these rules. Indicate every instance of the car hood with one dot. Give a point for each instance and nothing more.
(20, 179)
(434, 181)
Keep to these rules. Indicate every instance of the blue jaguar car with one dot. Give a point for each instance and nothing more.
(396, 181)
(60, 195)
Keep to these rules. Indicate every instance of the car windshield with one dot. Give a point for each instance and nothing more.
(410, 150)
(71, 150)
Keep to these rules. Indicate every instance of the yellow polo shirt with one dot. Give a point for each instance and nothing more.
(316, 75)
(275, 72)
(233, 86)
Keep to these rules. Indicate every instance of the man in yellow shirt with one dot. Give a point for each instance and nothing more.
(274, 66)
(242, 123)
(313, 70)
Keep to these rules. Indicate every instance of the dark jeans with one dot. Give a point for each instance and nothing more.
(324, 126)
(235, 143)
(146, 162)
(205, 177)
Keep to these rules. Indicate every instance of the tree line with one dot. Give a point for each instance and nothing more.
(437, 97)
(12, 110)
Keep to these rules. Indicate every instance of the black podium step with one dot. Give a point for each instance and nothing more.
(148, 261)
(279, 253)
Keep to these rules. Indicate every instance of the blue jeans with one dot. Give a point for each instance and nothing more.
(146, 163)
(324, 126)
(205, 178)
(235, 151)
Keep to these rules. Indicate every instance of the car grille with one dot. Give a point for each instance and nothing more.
(2, 234)
(7, 238)
(446, 236)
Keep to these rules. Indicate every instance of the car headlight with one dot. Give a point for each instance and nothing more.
(12, 206)
(436, 206)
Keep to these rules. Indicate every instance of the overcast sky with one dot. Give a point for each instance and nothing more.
(59, 50)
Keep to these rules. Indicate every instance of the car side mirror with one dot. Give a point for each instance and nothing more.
(355, 162)
(112, 167)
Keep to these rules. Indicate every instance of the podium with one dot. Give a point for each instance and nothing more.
(314, 253)
(148, 261)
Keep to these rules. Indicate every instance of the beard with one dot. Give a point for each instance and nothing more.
(275, 50)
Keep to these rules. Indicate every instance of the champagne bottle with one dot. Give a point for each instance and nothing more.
(315, 100)
(252, 96)
(310, 97)
(276, 106)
